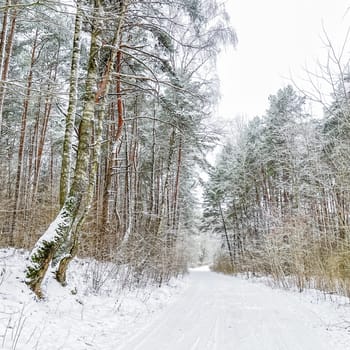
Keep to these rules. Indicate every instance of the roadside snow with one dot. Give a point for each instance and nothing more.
(92, 312)
(220, 312)
(206, 311)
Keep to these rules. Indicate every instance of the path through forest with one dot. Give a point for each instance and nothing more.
(221, 312)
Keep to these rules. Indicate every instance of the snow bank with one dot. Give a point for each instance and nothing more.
(332, 310)
(95, 311)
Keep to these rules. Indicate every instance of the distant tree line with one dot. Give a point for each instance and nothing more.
(279, 195)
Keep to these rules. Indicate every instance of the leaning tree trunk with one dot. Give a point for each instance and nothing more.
(101, 102)
(59, 230)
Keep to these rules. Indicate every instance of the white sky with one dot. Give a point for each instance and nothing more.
(277, 38)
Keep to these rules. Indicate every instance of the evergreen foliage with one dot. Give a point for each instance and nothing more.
(284, 193)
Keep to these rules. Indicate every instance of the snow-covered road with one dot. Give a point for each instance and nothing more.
(205, 311)
(222, 312)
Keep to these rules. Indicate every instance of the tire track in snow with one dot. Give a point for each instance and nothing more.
(219, 312)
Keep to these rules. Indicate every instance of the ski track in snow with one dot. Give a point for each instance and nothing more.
(219, 312)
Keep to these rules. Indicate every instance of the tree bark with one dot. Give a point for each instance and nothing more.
(116, 137)
(3, 33)
(56, 238)
(72, 106)
(177, 187)
(226, 236)
(5, 52)
(22, 136)
(101, 103)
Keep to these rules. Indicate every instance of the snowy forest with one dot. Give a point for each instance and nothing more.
(279, 194)
(120, 182)
(107, 117)
(105, 123)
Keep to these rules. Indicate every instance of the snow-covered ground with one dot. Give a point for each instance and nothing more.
(92, 312)
(206, 311)
(219, 312)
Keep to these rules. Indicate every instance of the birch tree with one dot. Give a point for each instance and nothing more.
(68, 216)
(133, 64)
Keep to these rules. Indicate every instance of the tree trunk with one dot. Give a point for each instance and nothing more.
(177, 187)
(5, 52)
(165, 190)
(43, 130)
(101, 103)
(113, 162)
(226, 236)
(59, 233)
(18, 183)
(72, 105)
(3, 33)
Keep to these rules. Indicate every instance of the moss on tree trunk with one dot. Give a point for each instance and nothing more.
(59, 234)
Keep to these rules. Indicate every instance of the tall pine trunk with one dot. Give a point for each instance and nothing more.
(6, 44)
(18, 184)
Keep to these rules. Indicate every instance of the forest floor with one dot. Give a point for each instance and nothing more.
(204, 311)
